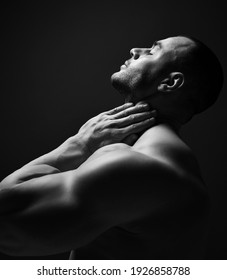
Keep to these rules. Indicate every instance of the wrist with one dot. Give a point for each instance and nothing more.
(78, 143)
(71, 154)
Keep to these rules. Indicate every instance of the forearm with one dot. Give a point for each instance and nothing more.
(118, 125)
(70, 155)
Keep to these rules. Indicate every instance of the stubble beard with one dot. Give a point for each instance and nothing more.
(127, 84)
(132, 84)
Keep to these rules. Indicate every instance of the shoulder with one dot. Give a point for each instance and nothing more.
(121, 159)
(119, 162)
(126, 185)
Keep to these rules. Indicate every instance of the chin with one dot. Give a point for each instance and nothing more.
(113, 77)
(121, 82)
(116, 79)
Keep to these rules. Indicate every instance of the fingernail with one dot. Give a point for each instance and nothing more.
(145, 105)
(141, 103)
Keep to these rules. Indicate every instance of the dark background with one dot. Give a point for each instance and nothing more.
(57, 60)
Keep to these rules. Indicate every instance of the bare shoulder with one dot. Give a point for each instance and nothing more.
(177, 164)
(132, 185)
(122, 158)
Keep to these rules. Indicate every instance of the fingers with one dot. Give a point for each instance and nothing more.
(119, 109)
(132, 110)
(135, 118)
(128, 120)
(138, 127)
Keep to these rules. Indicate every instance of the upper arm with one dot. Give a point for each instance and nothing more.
(123, 188)
(58, 212)
(126, 187)
(26, 173)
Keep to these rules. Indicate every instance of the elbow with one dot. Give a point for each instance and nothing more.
(7, 186)
(10, 181)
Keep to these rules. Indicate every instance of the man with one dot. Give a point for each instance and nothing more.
(124, 187)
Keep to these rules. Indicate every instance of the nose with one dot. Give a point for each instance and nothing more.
(137, 52)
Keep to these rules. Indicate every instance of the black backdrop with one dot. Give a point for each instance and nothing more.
(57, 60)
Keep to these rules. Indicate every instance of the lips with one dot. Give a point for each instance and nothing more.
(126, 63)
(123, 66)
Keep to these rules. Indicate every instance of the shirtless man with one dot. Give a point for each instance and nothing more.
(125, 186)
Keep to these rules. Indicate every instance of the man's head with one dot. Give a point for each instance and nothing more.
(179, 76)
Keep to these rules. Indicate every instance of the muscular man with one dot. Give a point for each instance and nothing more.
(124, 187)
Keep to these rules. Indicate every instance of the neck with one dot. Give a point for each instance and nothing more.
(174, 124)
(170, 120)
(167, 118)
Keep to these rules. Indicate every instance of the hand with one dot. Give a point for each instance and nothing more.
(119, 125)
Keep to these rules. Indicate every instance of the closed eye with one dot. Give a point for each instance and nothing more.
(152, 49)
(155, 45)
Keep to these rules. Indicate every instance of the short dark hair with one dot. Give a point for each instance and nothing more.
(204, 73)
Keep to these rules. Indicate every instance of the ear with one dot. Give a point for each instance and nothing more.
(174, 81)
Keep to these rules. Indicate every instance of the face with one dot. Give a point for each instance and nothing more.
(139, 76)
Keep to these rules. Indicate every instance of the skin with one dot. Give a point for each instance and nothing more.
(152, 75)
(124, 187)
(141, 75)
